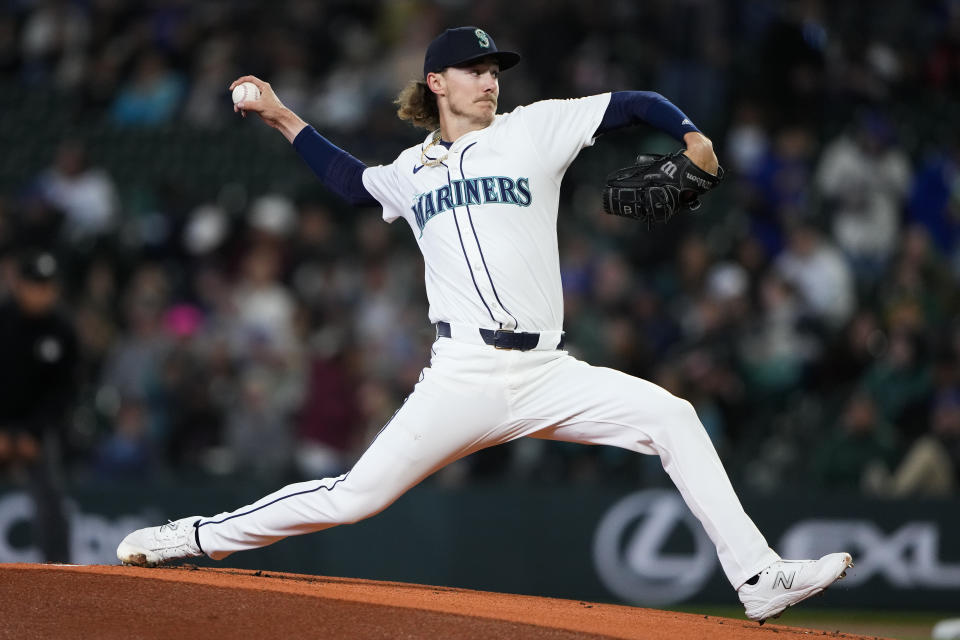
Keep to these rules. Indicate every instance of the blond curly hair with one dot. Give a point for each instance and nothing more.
(418, 105)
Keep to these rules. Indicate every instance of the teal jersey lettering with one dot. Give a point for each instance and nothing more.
(471, 191)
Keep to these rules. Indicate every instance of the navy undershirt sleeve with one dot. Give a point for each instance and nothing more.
(338, 170)
(628, 108)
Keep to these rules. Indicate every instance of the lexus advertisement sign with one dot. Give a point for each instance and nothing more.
(897, 549)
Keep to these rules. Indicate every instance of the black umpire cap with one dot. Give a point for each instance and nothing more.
(39, 266)
(461, 46)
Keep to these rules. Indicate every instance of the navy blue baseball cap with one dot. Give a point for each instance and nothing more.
(463, 45)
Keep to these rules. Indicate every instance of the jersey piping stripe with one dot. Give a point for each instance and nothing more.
(516, 323)
(305, 491)
(463, 248)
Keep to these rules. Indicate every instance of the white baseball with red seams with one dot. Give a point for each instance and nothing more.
(245, 91)
(484, 214)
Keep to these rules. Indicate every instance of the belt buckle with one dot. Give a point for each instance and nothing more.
(496, 339)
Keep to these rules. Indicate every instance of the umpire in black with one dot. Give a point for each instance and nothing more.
(38, 363)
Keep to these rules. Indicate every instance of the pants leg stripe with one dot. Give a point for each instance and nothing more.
(300, 493)
(264, 506)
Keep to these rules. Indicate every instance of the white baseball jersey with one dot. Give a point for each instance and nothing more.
(485, 219)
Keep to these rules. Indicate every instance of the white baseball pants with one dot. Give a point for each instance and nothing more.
(474, 396)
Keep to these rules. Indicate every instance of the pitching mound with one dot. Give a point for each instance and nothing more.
(57, 601)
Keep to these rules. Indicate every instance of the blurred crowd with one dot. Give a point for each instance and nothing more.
(810, 311)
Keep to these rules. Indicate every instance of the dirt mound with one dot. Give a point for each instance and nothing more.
(59, 601)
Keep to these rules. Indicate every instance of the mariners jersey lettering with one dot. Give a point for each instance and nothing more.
(485, 217)
(471, 191)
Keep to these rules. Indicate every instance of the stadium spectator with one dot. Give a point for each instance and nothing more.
(151, 97)
(819, 273)
(86, 195)
(863, 178)
(902, 378)
(775, 351)
(931, 466)
(53, 41)
(934, 199)
(861, 439)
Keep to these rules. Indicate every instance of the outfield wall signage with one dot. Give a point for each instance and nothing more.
(633, 558)
(642, 548)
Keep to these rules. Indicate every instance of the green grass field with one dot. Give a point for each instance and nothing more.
(902, 625)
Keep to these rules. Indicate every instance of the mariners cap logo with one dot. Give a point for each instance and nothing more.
(482, 38)
(462, 46)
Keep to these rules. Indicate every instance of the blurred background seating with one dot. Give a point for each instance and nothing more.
(234, 319)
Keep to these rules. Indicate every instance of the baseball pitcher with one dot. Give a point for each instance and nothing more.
(480, 194)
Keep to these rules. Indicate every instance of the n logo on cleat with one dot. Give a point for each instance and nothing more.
(781, 579)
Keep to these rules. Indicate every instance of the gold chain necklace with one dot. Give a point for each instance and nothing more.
(428, 161)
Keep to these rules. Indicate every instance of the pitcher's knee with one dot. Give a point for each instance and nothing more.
(682, 415)
(360, 507)
(679, 410)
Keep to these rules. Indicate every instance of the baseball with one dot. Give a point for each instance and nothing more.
(245, 91)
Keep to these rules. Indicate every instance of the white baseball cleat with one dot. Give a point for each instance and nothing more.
(787, 582)
(152, 546)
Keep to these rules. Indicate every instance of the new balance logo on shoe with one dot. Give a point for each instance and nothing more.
(781, 580)
(787, 582)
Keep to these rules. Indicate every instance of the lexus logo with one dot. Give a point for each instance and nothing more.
(629, 555)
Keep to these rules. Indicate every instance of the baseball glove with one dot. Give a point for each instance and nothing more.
(657, 187)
